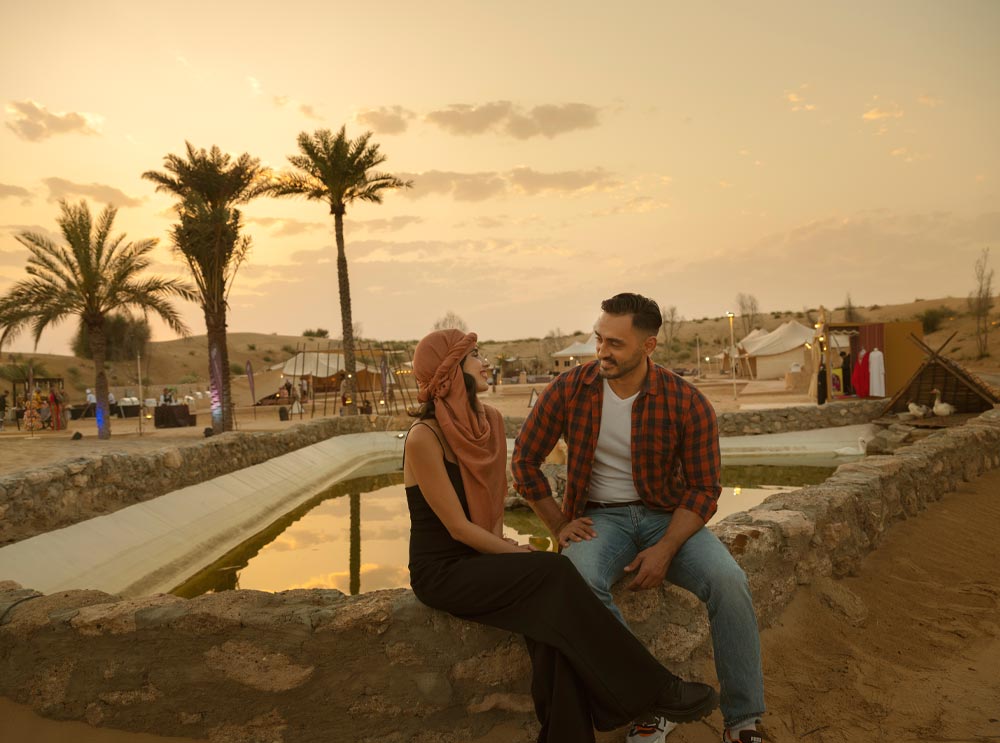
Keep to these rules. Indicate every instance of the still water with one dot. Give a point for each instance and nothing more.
(354, 536)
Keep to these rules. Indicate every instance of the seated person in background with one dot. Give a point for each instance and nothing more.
(167, 398)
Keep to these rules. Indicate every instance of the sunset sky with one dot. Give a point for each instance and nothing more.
(561, 151)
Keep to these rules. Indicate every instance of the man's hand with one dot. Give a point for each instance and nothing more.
(650, 567)
(577, 530)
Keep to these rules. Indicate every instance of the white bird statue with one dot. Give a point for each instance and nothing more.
(942, 409)
(917, 410)
(853, 451)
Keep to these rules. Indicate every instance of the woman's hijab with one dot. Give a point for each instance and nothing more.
(476, 436)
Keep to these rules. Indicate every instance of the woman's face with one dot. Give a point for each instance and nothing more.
(476, 366)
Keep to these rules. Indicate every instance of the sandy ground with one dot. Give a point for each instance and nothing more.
(910, 655)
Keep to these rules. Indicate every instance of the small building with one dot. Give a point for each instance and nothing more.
(576, 354)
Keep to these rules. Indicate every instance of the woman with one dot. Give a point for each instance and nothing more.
(587, 669)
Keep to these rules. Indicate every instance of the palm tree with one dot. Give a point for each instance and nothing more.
(93, 275)
(335, 169)
(210, 185)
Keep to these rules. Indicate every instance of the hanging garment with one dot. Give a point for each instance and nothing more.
(859, 377)
(845, 366)
(876, 373)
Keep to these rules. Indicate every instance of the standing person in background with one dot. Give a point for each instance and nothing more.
(55, 408)
(3, 408)
(643, 479)
(587, 669)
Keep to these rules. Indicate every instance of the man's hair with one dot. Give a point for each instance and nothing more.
(645, 312)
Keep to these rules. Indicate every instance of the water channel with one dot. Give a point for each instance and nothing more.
(354, 536)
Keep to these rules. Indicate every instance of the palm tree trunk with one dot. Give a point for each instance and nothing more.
(350, 366)
(99, 351)
(218, 371)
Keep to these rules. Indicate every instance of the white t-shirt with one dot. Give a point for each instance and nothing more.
(611, 479)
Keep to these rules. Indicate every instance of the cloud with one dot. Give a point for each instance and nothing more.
(34, 122)
(460, 186)
(797, 102)
(877, 113)
(309, 112)
(286, 227)
(907, 155)
(254, 85)
(280, 100)
(385, 120)
(60, 188)
(15, 192)
(519, 181)
(929, 101)
(504, 117)
(909, 251)
(637, 205)
(392, 224)
(531, 182)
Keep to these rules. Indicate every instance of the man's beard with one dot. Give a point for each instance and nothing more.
(617, 370)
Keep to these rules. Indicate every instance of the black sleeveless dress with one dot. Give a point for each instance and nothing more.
(588, 670)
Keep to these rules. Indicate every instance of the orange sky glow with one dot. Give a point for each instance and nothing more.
(561, 151)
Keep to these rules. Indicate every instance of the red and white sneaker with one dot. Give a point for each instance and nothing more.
(652, 729)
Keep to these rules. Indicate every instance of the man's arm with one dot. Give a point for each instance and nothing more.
(702, 465)
(538, 436)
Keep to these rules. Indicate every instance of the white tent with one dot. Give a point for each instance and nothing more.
(316, 364)
(576, 353)
(773, 354)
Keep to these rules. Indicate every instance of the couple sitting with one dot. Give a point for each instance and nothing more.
(643, 479)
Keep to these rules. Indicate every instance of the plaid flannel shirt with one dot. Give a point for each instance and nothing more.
(675, 441)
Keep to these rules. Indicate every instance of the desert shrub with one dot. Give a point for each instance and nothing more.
(317, 333)
(288, 349)
(236, 369)
(188, 379)
(932, 318)
(252, 346)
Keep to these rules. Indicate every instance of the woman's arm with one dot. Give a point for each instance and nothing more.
(426, 460)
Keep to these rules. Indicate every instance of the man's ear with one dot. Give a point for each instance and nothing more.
(649, 345)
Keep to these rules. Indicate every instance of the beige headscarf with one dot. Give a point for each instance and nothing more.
(476, 437)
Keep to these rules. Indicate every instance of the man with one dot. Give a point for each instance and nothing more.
(3, 408)
(642, 480)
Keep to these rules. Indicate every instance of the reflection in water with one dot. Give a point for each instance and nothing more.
(355, 543)
(320, 543)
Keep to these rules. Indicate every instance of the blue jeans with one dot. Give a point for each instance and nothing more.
(704, 567)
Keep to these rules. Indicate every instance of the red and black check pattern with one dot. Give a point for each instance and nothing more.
(675, 441)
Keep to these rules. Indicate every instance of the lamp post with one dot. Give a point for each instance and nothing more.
(732, 350)
(697, 352)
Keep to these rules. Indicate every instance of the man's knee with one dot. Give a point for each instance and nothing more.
(727, 580)
(591, 569)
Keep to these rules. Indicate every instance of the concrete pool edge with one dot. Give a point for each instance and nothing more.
(152, 546)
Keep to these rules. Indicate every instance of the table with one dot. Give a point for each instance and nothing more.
(173, 416)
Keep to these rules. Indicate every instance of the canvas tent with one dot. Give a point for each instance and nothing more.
(326, 371)
(772, 355)
(576, 353)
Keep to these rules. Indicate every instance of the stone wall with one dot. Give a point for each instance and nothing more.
(781, 420)
(800, 418)
(71, 491)
(303, 666)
